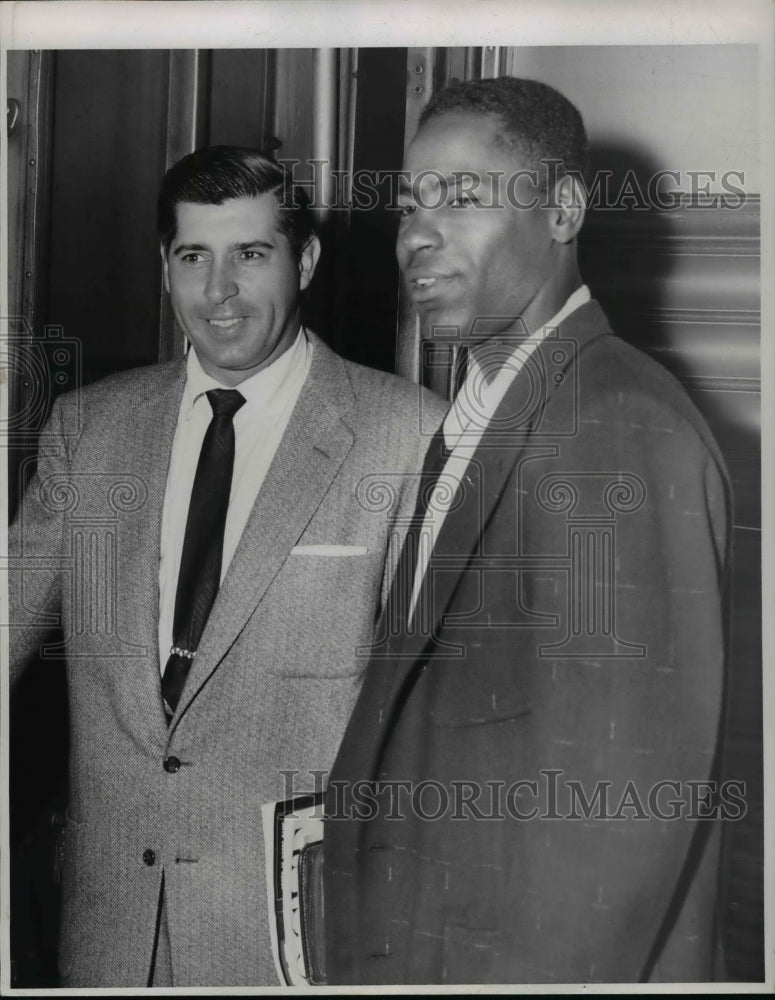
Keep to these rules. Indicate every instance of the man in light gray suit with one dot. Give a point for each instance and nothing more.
(177, 739)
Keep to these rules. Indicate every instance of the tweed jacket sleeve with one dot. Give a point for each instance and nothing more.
(35, 541)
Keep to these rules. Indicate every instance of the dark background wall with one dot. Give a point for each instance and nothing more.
(107, 158)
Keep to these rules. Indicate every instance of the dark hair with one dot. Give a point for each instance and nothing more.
(539, 123)
(214, 174)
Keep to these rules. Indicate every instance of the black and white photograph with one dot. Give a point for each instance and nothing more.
(385, 582)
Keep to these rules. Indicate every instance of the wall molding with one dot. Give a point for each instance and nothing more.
(711, 317)
(692, 227)
(716, 383)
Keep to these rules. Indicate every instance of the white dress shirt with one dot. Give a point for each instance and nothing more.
(259, 424)
(464, 426)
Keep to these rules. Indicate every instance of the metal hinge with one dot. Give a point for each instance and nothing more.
(13, 114)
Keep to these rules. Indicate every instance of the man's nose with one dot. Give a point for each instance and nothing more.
(221, 282)
(421, 231)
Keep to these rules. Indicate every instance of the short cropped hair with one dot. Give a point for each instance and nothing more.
(539, 123)
(215, 174)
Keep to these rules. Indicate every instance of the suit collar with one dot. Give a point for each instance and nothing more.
(263, 388)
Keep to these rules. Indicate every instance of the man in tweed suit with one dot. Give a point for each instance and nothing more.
(163, 878)
(524, 790)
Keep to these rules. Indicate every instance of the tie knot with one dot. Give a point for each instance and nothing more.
(225, 402)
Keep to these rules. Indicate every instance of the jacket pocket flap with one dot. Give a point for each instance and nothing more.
(329, 550)
(470, 692)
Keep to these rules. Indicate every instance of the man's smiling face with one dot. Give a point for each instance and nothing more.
(234, 283)
(464, 262)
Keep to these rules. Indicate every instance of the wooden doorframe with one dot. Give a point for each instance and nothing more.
(30, 388)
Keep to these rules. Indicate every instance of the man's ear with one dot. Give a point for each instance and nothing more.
(308, 261)
(567, 212)
(165, 268)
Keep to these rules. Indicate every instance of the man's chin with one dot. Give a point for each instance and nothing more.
(452, 324)
(434, 318)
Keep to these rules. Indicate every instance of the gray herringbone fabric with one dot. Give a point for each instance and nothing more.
(275, 676)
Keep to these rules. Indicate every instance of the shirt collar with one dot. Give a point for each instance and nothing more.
(574, 301)
(578, 298)
(262, 387)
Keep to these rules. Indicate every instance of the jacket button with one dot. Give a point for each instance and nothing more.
(171, 765)
(149, 857)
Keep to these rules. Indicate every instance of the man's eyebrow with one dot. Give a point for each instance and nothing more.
(188, 248)
(459, 177)
(252, 244)
(203, 248)
(452, 180)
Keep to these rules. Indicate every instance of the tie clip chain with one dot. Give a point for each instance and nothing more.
(187, 653)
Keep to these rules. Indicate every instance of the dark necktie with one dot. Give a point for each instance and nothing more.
(436, 456)
(200, 564)
(435, 459)
(397, 609)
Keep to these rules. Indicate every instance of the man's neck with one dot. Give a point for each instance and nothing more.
(492, 352)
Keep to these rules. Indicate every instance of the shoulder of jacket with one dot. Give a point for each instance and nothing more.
(621, 385)
(612, 369)
(131, 384)
(375, 387)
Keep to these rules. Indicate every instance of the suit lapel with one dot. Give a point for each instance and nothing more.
(313, 448)
(148, 453)
(486, 480)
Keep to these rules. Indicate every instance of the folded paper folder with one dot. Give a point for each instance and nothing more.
(293, 842)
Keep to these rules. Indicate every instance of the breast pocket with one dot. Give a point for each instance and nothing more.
(477, 689)
(321, 607)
